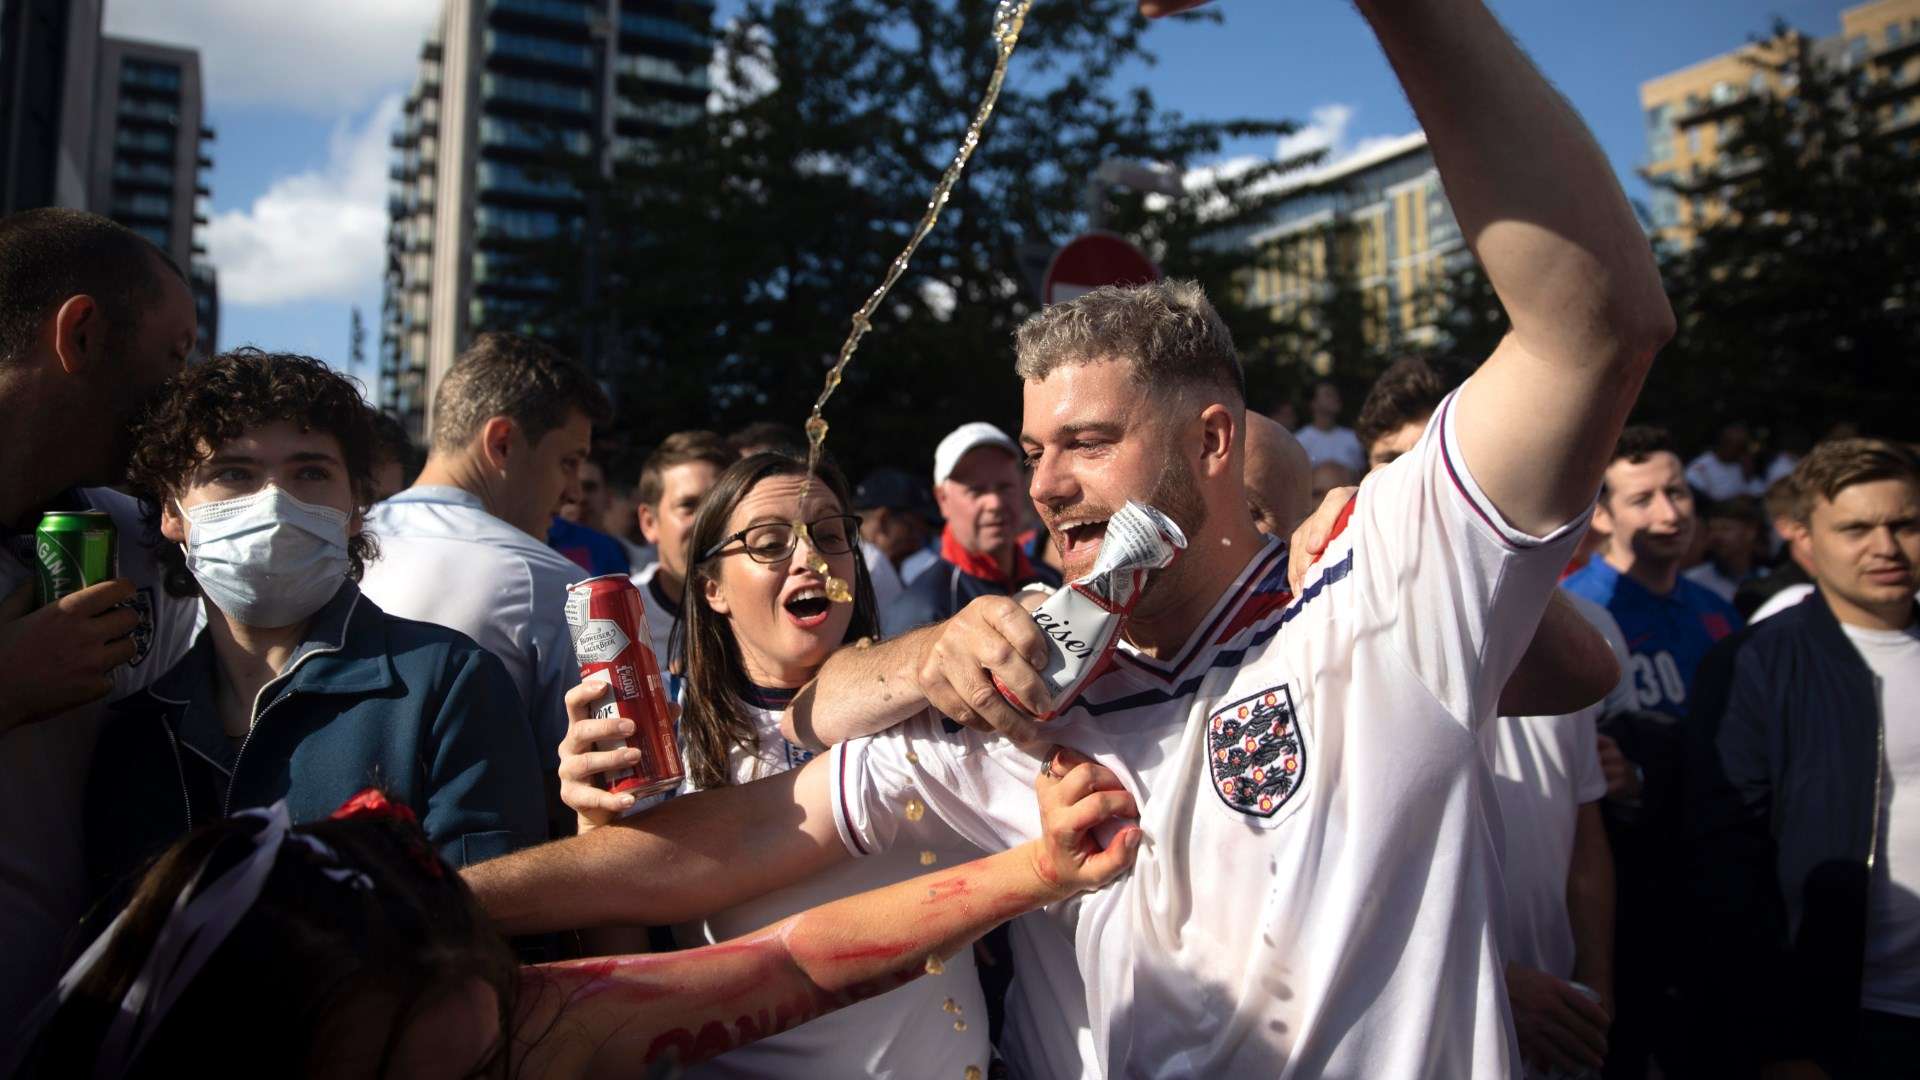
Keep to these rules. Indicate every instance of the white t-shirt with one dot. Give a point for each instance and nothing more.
(906, 1033)
(1544, 769)
(1320, 894)
(1891, 980)
(444, 559)
(1722, 479)
(44, 766)
(1336, 444)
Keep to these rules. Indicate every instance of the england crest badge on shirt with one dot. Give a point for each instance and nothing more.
(1256, 753)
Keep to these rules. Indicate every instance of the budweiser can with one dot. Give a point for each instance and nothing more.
(608, 625)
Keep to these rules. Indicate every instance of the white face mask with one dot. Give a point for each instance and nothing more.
(267, 559)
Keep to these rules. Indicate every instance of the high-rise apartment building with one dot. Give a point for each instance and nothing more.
(1689, 112)
(147, 156)
(1376, 222)
(48, 52)
(106, 124)
(513, 98)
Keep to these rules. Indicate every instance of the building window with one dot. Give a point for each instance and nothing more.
(537, 92)
(1856, 50)
(157, 235)
(495, 131)
(1693, 141)
(521, 181)
(1893, 34)
(146, 74)
(571, 11)
(153, 142)
(546, 50)
(1723, 92)
(1660, 132)
(660, 28)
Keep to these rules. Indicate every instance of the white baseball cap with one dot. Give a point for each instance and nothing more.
(964, 438)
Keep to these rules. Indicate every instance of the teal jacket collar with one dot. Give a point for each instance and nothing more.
(345, 652)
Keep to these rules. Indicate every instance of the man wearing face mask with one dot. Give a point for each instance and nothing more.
(465, 546)
(258, 467)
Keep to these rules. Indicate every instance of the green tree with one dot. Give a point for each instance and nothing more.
(739, 245)
(1797, 303)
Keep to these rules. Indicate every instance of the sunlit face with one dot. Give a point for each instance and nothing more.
(1864, 543)
(981, 500)
(541, 475)
(307, 465)
(1093, 442)
(668, 525)
(779, 612)
(1395, 443)
(1647, 513)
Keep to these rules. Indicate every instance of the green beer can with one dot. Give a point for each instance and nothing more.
(73, 549)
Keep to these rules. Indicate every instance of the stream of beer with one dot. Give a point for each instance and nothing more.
(1008, 19)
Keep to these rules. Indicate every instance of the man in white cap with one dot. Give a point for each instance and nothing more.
(979, 487)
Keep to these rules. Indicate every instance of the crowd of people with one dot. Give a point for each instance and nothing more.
(1491, 736)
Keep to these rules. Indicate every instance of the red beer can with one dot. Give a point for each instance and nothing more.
(608, 625)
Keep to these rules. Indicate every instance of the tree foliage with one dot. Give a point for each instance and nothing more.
(739, 248)
(1797, 305)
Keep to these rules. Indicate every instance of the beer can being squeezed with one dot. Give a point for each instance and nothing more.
(608, 624)
(72, 550)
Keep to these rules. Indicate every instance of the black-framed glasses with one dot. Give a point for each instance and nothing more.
(773, 541)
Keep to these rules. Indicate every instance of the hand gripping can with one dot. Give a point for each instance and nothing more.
(72, 550)
(608, 625)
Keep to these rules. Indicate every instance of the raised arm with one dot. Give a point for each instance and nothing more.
(1541, 208)
(608, 1017)
(685, 859)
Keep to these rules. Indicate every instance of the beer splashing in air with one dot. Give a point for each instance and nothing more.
(928, 858)
(1008, 19)
(972, 1073)
(952, 1006)
(936, 966)
(916, 809)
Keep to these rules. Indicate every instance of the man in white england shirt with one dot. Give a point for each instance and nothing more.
(1321, 894)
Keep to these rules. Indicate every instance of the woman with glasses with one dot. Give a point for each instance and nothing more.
(757, 624)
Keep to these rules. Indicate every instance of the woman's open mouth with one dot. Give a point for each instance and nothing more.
(808, 607)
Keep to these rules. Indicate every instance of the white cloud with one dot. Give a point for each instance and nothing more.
(1327, 131)
(324, 57)
(317, 235)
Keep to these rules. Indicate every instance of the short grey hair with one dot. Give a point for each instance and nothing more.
(1167, 330)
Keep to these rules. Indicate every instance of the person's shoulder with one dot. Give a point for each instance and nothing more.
(1591, 582)
(413, 644)
(933, 582)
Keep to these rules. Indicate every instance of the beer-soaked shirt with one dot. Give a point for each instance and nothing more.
(1320, 891)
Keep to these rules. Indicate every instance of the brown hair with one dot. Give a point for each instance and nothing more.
(1783, 500)
(1406, 393)
(1638, 443)
(311, 948)
(680, 448)
(51, 254)
(526, 381)
(713, 722)
(211, 404)
(1832, 467)
(1167, 330)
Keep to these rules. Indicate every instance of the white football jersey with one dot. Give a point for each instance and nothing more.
(1320, 892)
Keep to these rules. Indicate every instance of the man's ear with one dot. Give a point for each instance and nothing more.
(1217, 431)
(649, 523)
(499, 440)
(79, 334)
(1602, 521)
(172, 525)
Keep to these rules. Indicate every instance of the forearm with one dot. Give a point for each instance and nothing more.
(860, 690)
(1534, 195)
(1590, 904)
(606, 1016)
(686, 859)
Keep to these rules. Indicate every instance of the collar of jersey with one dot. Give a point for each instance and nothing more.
(1230, 601)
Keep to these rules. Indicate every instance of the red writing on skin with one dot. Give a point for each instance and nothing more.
(949, 889)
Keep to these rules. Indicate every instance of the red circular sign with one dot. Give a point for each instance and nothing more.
(1092, 260)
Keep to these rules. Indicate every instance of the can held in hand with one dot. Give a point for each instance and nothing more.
(608, 624)
(72, 550)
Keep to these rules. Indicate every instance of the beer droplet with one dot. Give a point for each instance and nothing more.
(936, 966)
(959, 1025)
(972, 1073)
(867, 643)
(916, 809)
(952, 1006)
(913, 758)
(838, 590)
(928, 858)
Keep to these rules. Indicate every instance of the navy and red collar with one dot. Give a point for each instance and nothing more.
(985, 567)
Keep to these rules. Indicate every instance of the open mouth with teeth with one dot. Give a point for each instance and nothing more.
(1081, 540)
(808, 607)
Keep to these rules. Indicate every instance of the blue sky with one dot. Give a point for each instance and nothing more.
(304, 96)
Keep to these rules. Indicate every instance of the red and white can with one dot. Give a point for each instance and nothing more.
(608, 624)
